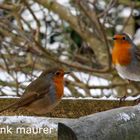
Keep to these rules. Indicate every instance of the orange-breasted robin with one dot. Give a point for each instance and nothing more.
(43, 94)
(126, 57)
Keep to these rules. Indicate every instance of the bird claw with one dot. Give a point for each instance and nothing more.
(122, 99)
(137, 101)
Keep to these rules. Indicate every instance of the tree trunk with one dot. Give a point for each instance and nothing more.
(115, 124)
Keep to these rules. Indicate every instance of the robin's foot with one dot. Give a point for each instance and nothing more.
(137, 101)
(129, 81)
(122, 99)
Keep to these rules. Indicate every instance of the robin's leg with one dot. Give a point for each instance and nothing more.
(122, 99)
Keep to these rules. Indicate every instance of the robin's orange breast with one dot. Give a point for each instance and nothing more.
(59, 87)
(121, 53)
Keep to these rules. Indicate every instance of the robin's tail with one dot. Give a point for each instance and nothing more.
(13, 105)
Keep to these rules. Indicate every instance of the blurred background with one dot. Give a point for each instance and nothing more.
(74, 34)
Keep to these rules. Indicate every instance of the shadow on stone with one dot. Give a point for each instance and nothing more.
(65, 133)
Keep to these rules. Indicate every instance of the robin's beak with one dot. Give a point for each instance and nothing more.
(67, 72)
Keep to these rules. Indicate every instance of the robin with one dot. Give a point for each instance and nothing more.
(126, 57)
(43, 94)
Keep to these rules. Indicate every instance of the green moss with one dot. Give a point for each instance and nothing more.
(70, 108)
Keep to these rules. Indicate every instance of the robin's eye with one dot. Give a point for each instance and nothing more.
(57, 73)
(114, 38)
(124, 38)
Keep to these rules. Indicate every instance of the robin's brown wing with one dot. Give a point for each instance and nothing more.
(31, 97)
(38, 85)
(24, 101)
(27, 99)
(35, 90)
(42, 82)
